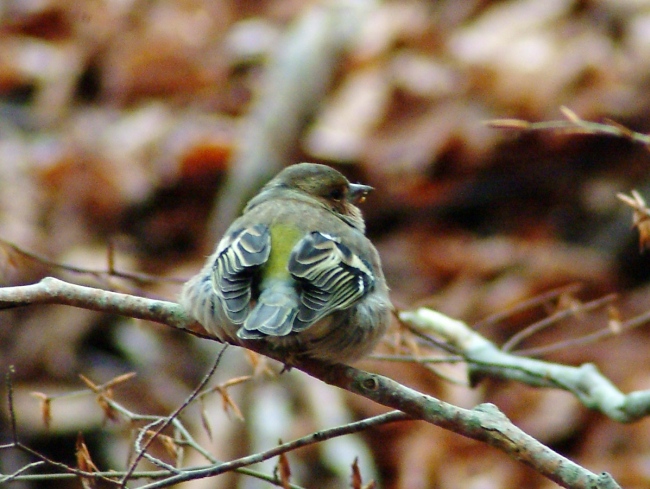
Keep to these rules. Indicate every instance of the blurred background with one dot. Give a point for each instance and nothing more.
(137, 129)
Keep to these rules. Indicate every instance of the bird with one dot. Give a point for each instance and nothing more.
(296, 272)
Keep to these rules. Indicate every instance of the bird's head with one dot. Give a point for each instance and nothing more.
(327, 186)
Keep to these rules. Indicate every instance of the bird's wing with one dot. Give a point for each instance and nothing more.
(233, 270)
(330, 275)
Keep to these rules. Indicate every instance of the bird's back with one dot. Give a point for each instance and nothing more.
(276, 294)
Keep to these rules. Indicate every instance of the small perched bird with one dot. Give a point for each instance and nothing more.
(296, 271)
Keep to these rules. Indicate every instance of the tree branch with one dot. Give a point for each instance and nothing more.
(573, 124)
(593, 389)
(484, 423)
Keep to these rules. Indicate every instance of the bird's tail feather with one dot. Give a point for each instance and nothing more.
(274, 313)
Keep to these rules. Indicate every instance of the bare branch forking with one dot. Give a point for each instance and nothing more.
(484, 423)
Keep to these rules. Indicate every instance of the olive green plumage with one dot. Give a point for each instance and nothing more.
(296, 271)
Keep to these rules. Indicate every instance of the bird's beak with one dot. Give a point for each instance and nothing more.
(358, 192)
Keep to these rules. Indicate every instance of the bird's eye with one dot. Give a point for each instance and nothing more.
(336, 194)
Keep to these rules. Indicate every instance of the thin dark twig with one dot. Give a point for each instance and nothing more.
(174, 414)
(574, 125)
(111, 272)
(20, 471)
(484, 423)
(414, 359)
(430, 340)
(526, 305)
(316, 437)
(110, 256)
(440, 344)
(24, 448)
(635, 322)
(10, 404)
(59, 465)
(553, 319)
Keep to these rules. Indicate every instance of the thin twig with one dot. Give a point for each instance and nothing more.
(526, 305)
(175, 414)
(317, 437)
(18, 474)
(573, 125)
(484, 423)
(10, 403)
(486, 359)
(554, 319)
(601, 334)
(143, 278)
(66, 468)
(415, 359)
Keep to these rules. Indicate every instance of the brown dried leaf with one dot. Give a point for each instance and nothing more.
(236, 380)
(46, 408)
(229, 405)
(259, 363)
(84, 462)
(640, 217)
(253, 358)
(119, 380)
(205, 420)
(109, 412)
(625, 131)
(284, 470)
(356, 481)
(170, 445)
(17, 266)
(567, 302)
(110, 256)
(91, 385)
(570, 115)
(644, 234)
(167, 442)
(614, 321)
(228, 402)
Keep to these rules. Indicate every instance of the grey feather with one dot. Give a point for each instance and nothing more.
(234, 269)
(274, 313)
(330, 276)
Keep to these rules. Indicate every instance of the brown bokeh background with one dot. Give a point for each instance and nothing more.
(120, 121)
